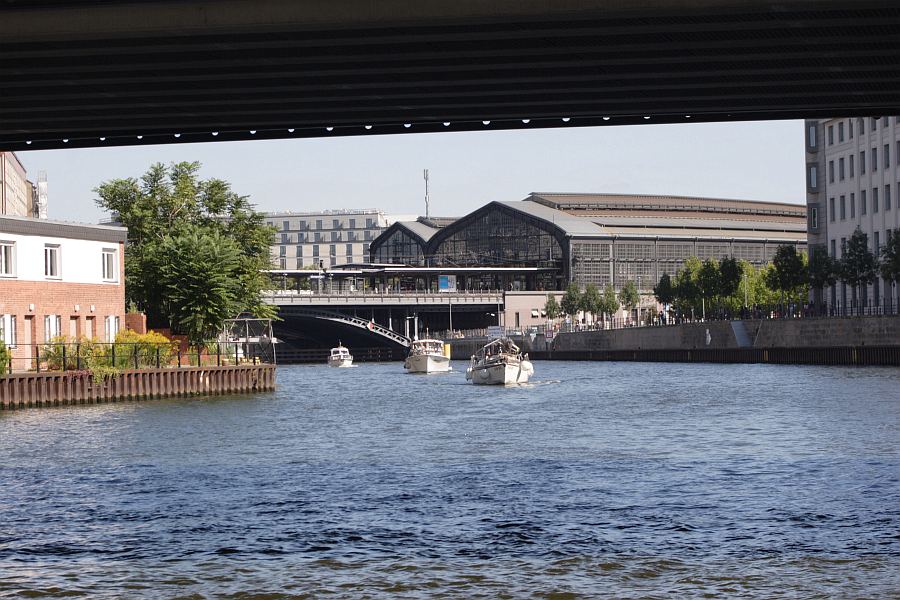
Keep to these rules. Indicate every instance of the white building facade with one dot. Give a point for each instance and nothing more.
(327, 238)
(853, 181)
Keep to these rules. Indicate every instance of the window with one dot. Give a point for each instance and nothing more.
(874, 200)
(813, 218)
(335, 224)
(316, 251)
(366, 252)
(370, 223)
(852, 205)
(111, 328)
(302, 225)
(843, 208)
(887, 156)
(51, 260)
(299, 251)
(830, 134)
(841, 131)
(874, 123)
(110, 272)
(831, 209)
(52, 327)
(862, 202)
(851, 165)
(332, 251)
(841, 168)
(7, 333)
(874, 159)
(282, 250)
(318, 223)
(862, 162)
(833, 253)
(812, 136)
(352, 223)
(876, 244)
(7, 258)
(812, 176)
(843, 246)
(350, 251)
(850, 128)
(282, 263)
(887, 197)
(285, 225)
(862, 125)
(830, 171)
(285, 238)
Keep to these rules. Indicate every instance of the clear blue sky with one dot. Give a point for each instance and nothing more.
(746, 160)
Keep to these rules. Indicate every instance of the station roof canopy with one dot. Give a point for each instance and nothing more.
(115, 72)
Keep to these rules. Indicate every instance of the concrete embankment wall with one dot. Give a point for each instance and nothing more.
(24, 390)
(784, 333)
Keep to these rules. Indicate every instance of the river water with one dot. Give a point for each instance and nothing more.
(598, 479)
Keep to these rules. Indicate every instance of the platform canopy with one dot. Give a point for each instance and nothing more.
(110, 72)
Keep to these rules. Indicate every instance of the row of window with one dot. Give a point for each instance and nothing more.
(850, 164)
(876, 243)
(53, 328)
(863, 204)
(53, 261)
(336, 236)
(335, 224)
(841, 129)
(332, 250)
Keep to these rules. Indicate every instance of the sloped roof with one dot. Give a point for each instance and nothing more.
(590, 203)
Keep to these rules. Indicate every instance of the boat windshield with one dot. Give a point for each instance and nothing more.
(496, 348)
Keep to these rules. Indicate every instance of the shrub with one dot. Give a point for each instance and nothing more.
(5, 357)
(145, 346)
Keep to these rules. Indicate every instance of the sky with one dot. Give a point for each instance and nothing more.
(761, 160)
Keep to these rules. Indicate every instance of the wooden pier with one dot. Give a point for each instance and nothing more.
(25, 390)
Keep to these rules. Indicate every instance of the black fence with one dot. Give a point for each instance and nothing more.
(71, 356)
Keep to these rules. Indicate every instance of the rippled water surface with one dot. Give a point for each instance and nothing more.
(599, 479)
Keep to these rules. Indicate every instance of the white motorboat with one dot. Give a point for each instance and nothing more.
(499, 363)
(427, 356)
(340, 357)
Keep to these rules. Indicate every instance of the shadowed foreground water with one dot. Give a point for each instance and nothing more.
(599, 479)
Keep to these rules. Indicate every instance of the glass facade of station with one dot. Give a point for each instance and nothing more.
(398, 247)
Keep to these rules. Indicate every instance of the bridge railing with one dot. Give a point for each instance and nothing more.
(370, 296)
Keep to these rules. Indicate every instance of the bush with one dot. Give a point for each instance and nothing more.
(61, 353)
(5, 357)
(145, 346)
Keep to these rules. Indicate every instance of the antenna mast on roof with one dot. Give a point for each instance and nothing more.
(426, 193)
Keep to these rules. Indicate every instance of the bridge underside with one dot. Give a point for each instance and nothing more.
(98, 73)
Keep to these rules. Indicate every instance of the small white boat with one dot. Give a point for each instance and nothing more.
(427, 356)
(340, 357)
(499, 363)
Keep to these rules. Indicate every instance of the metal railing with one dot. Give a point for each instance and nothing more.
(79, 356)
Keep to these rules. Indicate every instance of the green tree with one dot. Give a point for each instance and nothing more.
(708, 282)
(609, 304)
(170, 206)
(551, 307)
(5, 357)
(858, 264)
(822, 271)
(200, 278)
(664, 291)
(890, 258)
(628, 296)
(729, 277)
(687, 290)
(571, 300)
(590, 300)
(788, 273)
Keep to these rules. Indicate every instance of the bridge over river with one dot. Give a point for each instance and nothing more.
(366, 319)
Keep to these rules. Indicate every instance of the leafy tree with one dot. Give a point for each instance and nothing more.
(664, 291)
(551, 307)
(789, 272)
(171, 208)
(571, 301)
(590, 300)
(858, 265)
(5, 356)
(628, 296)
(729, 277)
(609, 304)
(200, 277)
(822, 270)
(890, 258)
(687, 290)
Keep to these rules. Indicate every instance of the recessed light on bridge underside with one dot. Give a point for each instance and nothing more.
(566, 119)
(526, 121)
(368, 127)
(290, 131)
(446, 124)
(407, 125)
(215, 133)
(485, 122)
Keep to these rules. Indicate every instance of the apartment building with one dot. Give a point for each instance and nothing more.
(327, 238)
(852, 181)
(59, 279)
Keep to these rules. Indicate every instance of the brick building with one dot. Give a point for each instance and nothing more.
(57, 279)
